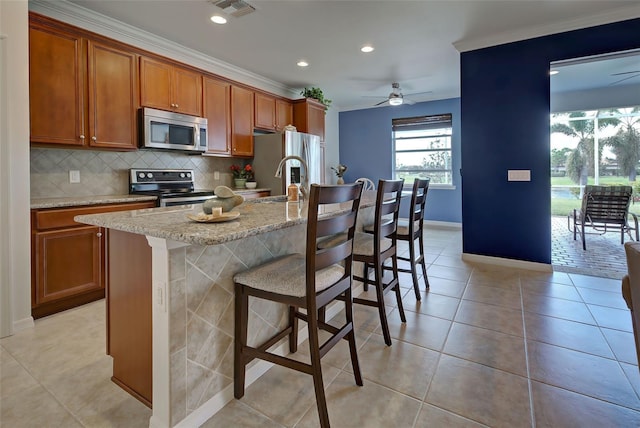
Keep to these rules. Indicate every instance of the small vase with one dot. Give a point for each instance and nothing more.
(340, 180)
(251, 184)
(240, 183)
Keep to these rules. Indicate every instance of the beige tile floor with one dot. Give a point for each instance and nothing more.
(486, 346)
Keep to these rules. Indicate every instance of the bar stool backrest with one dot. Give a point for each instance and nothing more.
(387, 210)
(416, 208)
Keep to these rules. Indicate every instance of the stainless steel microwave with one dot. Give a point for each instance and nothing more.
(167, 130)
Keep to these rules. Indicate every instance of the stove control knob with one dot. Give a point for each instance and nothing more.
(188, 175)
(141, 174)
(149, 175)
(182, 175)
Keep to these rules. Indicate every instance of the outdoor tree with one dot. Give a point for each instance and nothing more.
(625, 144)
(559, 158)
(580, 160)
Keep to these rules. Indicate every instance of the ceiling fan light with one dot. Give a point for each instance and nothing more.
(302, 63)
(367, 48)
(395, 101)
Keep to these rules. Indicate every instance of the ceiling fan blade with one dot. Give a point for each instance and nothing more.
(419, 93)
(381, 102)
(626, 72)
(622, 80)
(408, 101)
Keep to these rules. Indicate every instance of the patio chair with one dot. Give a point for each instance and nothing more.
(604, 208)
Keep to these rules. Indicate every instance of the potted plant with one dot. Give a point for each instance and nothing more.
(251, 179)
(316, 93)
(241, 174)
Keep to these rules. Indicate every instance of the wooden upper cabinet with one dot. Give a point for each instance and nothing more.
(56, 87)
(241, 121)
(308, 116)
(284, 114)
(81, 93)
(216, 104)
(112, 97)
(265, 111)
(167, 87)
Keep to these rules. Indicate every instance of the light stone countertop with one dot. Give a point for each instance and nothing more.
(76, 201)
(257, 216)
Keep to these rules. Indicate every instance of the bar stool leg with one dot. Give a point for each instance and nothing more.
(422, 261)
(316, 369)
(414, 273)
(241, 324)
(293, 336)
(351, 337)
(381, 308)
(394, 264)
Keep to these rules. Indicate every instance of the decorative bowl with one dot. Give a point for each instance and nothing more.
(251, 184)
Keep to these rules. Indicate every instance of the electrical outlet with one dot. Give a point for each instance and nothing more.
(74, 176)
(216, 175)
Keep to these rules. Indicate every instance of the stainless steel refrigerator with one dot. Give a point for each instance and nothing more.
(269, 149)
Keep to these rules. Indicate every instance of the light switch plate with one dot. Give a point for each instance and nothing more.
(216, 175)
(74, 176)
(519, 175)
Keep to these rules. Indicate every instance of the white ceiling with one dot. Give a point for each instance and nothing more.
(414, 40)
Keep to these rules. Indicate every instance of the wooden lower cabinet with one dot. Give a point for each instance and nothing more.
(129, 316)
(68, 258)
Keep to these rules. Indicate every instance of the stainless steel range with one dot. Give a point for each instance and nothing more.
(171, 186)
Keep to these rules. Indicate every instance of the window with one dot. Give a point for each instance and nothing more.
(422, 148)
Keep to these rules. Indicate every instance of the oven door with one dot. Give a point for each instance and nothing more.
(183, 200)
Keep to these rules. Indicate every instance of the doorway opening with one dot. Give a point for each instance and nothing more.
(595, 139)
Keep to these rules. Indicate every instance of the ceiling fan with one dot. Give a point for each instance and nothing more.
(628, 75)
(396, 97)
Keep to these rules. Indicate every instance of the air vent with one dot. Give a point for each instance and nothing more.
(234, 8)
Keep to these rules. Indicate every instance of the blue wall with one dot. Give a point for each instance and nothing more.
(366, 149)
(505, 125)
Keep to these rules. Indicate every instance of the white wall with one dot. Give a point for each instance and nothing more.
(331, 153)
(15, 266)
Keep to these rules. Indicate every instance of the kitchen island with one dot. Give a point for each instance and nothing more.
(190, 291)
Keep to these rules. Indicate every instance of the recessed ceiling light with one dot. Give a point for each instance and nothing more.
(303, 63)
(367, 48)
(219, 19)
(552, 72)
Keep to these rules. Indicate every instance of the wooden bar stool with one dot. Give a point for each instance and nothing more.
(304, 282)
(411, 230)
(373, 249)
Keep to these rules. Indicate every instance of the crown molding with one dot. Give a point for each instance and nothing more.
(609, 17)
(79, 16)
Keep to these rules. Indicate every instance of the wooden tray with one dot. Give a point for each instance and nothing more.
(208, 218)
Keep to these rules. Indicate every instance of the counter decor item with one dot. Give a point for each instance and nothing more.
(211, 218)
(340, 170)
(225, 199)
(251, 184)
(241, 174)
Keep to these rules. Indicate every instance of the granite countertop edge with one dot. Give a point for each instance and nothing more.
(77, 201)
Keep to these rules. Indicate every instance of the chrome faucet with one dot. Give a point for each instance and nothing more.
(304, 179)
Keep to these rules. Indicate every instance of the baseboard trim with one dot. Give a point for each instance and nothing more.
(443, 224)
(212, 406)
(23, 324)
(499, 261)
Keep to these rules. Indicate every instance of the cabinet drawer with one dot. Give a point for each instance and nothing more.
(63, 217)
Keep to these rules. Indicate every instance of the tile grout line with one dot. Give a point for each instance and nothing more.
(526, 356)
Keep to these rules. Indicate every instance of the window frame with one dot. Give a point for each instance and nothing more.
(424, 123)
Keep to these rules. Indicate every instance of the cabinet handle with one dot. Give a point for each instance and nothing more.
(82, 137)
(99, 234)
(177, 106)
(94, 138)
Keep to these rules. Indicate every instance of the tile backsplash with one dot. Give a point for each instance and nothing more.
(107, 173)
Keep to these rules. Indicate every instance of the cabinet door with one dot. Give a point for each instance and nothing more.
(217, 110)
(56, 87)
(68, 262)
(284, 114)
(186, 90)
(241, 121)
(265, 111)
(316, 120)
(155, 84)
(308, 116)
(112, 97)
